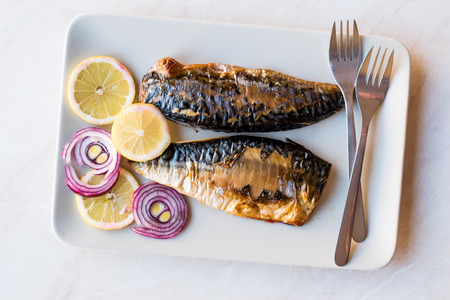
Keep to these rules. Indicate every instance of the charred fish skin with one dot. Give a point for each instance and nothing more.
(247, 176)
(234, 99)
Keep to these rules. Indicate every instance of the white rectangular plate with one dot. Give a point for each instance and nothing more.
(138, 42)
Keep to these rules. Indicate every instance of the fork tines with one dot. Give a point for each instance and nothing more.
(382, 75)
(344, 42)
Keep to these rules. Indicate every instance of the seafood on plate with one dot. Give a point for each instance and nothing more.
(247, 176)
(234, 99)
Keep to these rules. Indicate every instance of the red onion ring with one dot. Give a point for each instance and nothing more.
(80, 145)
(81, 155)
(148, 194)
(87, 190)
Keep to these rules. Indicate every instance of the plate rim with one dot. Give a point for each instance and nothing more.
(80, 18)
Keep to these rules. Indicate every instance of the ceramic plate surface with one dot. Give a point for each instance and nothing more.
(138, 42)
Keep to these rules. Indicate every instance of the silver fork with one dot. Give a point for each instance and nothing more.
(345, 57)
(371, 89)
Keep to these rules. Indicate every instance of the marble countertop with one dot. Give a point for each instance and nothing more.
(35, 265)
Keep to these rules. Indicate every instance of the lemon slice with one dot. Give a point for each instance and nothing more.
(140, 132)
(99, 87)
(113, 210)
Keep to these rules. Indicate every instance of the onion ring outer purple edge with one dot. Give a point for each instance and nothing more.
(143, 198)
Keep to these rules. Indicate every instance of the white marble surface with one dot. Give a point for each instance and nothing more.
(35, 265)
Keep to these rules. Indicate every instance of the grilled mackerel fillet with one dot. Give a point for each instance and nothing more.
(246, 176)
(234, 99)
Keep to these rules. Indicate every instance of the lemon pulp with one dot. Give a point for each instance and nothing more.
(140, 132)
(112, 210)
(99, 88)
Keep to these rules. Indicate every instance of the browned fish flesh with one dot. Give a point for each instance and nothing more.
(247, 176)
(234, 99)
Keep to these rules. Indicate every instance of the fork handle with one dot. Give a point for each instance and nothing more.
(346, 230)
(359, 228)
